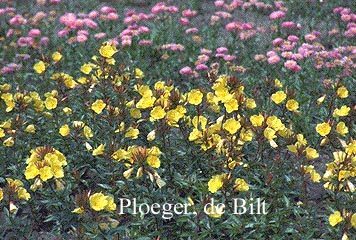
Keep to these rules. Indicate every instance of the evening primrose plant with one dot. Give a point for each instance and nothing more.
(239, 130)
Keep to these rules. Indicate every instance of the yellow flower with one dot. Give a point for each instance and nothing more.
(278, 83)
(51, 103)
(269, 133)
(153, 161)
(87, 132)
(311, 153)
(110, 206)
(128, 173)
(342, 92)
(241, 185)
(99, 150)
(9, 142)
(107, 50)
(195, 97)
(1, 194)
(341, 128)
(353, 220)
(278, 97)
(195, 134)
(12, 207)
(341, 112)
(23, 194)
(292, 105)
(323, 129)
(98, 106)
(135, 113)
(215, 211)
(138, 73)
(46, 173)
(39, 67)
(56, 56)
(30, 129)
(250, 103)
(256, 120)
(231, 125)
(145, 102)
(335, 218)
(231, 105)
(321, 99)
(64, 130)
(31, 171)
(157, 113)
(86, 68)
(98, 201)
(78, 210)
(120, 154)
(132, 133)
(151, 135)
(216, 182)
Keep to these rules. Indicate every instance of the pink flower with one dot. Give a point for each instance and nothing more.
(271, 53)
(221, 50)
(201, 67)
(126, 41)
(309, 37)
(259, 57)
(81, 38)
(338, 10)
(277, 15)
(113, 41)
(345, 17)
(185, 71)
(83, 32)
(205, 51)
(203, 58)
(34, 32)
(184, 21)
(219, 3)
(143, 29)
(223, 14)
(277, 41)
(90, 23)
(107, 10)
(10, 32)
(62, 33)
(113, 16)
(44, 41)
(229, 58)
(55, 1)
(18, 20)
(292, 65)
(191, 30)
(99, 35)
(293, 38)
(173, 9)
(159, 7)
(278, 4)
(188, 13)
(288, 25)
(145, 43)
(230, 26)
(93, 14)
(25, 41)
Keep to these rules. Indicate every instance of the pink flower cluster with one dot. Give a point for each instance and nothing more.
(161, 7)
(172, 47)
(348, 17)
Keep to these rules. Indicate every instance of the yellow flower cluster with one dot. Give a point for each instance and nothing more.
(340, 173)
(45, 162)
(97, 202)
(141, 157)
